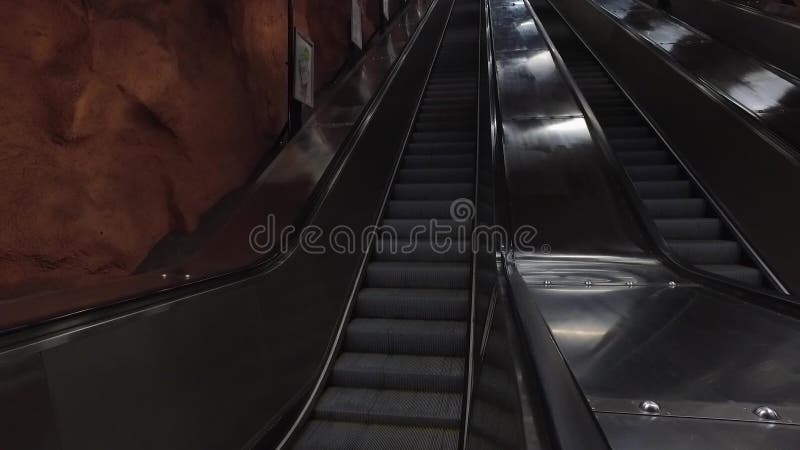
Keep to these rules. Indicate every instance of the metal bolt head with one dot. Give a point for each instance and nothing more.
(187, 276)
(672, 284)
(629, 283)
(766, 413)
(547, 282)
(588, 282)
(163, 276)
(650, 407)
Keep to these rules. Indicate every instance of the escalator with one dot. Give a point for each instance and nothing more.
(690, 225)
(399, 378)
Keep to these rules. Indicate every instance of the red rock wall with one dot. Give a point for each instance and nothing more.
(124, 120)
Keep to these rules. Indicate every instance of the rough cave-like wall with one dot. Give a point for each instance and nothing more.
(125, 120)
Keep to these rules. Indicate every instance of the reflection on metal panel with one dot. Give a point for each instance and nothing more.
(696, 352)
(627, 432)
(758, 89)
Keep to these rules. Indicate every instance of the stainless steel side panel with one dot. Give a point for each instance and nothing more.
(769, 38)
(696, 352)
(627, 432)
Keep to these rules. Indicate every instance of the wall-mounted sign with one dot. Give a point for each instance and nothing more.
(385, 8)
(355, 24)
(303, 69)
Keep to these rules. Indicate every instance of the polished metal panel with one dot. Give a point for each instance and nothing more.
(771, 39)
(556, 176)
(171, 379)
(694, 351)
(529, 83)
(756, 88)
(572, 425)
(532, 76)
(599, 270)
(559, 183)
(631, 432)
(548, 162)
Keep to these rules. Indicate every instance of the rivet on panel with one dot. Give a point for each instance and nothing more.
(650, 407)
(766, 413)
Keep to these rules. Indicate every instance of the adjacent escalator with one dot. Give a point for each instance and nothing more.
(399, 379)
(692, 228)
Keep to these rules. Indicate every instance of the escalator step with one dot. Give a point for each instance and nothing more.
(595, 86)
(616, 101)
(447, 96)
(443, 136)
(438, 191)
(418, 275)
(431, 409)
(454, 124)
(644, 157)
(440, 148)
(406, 372)
(406, 337)
(743, 274)
(707, 252)
(465, 115)
(423, 228)
(611, 120)
(628, 133)
(435, 176)
(421, 304)
(694, 228)
(440, 82)
(423, 250)
(466, 160)
(448, 101)
(676, 207)
(634, 143)
(660, 172)
(663, 189)
(400, 209)
(330, 435)
(447, 108)
(595, 94)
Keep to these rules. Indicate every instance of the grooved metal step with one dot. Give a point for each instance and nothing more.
(332, 435)
(407, 337)
(421, 304)
(407, 372)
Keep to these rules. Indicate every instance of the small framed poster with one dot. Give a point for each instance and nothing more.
(386, 9)
(355, 24)
(303, 69)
